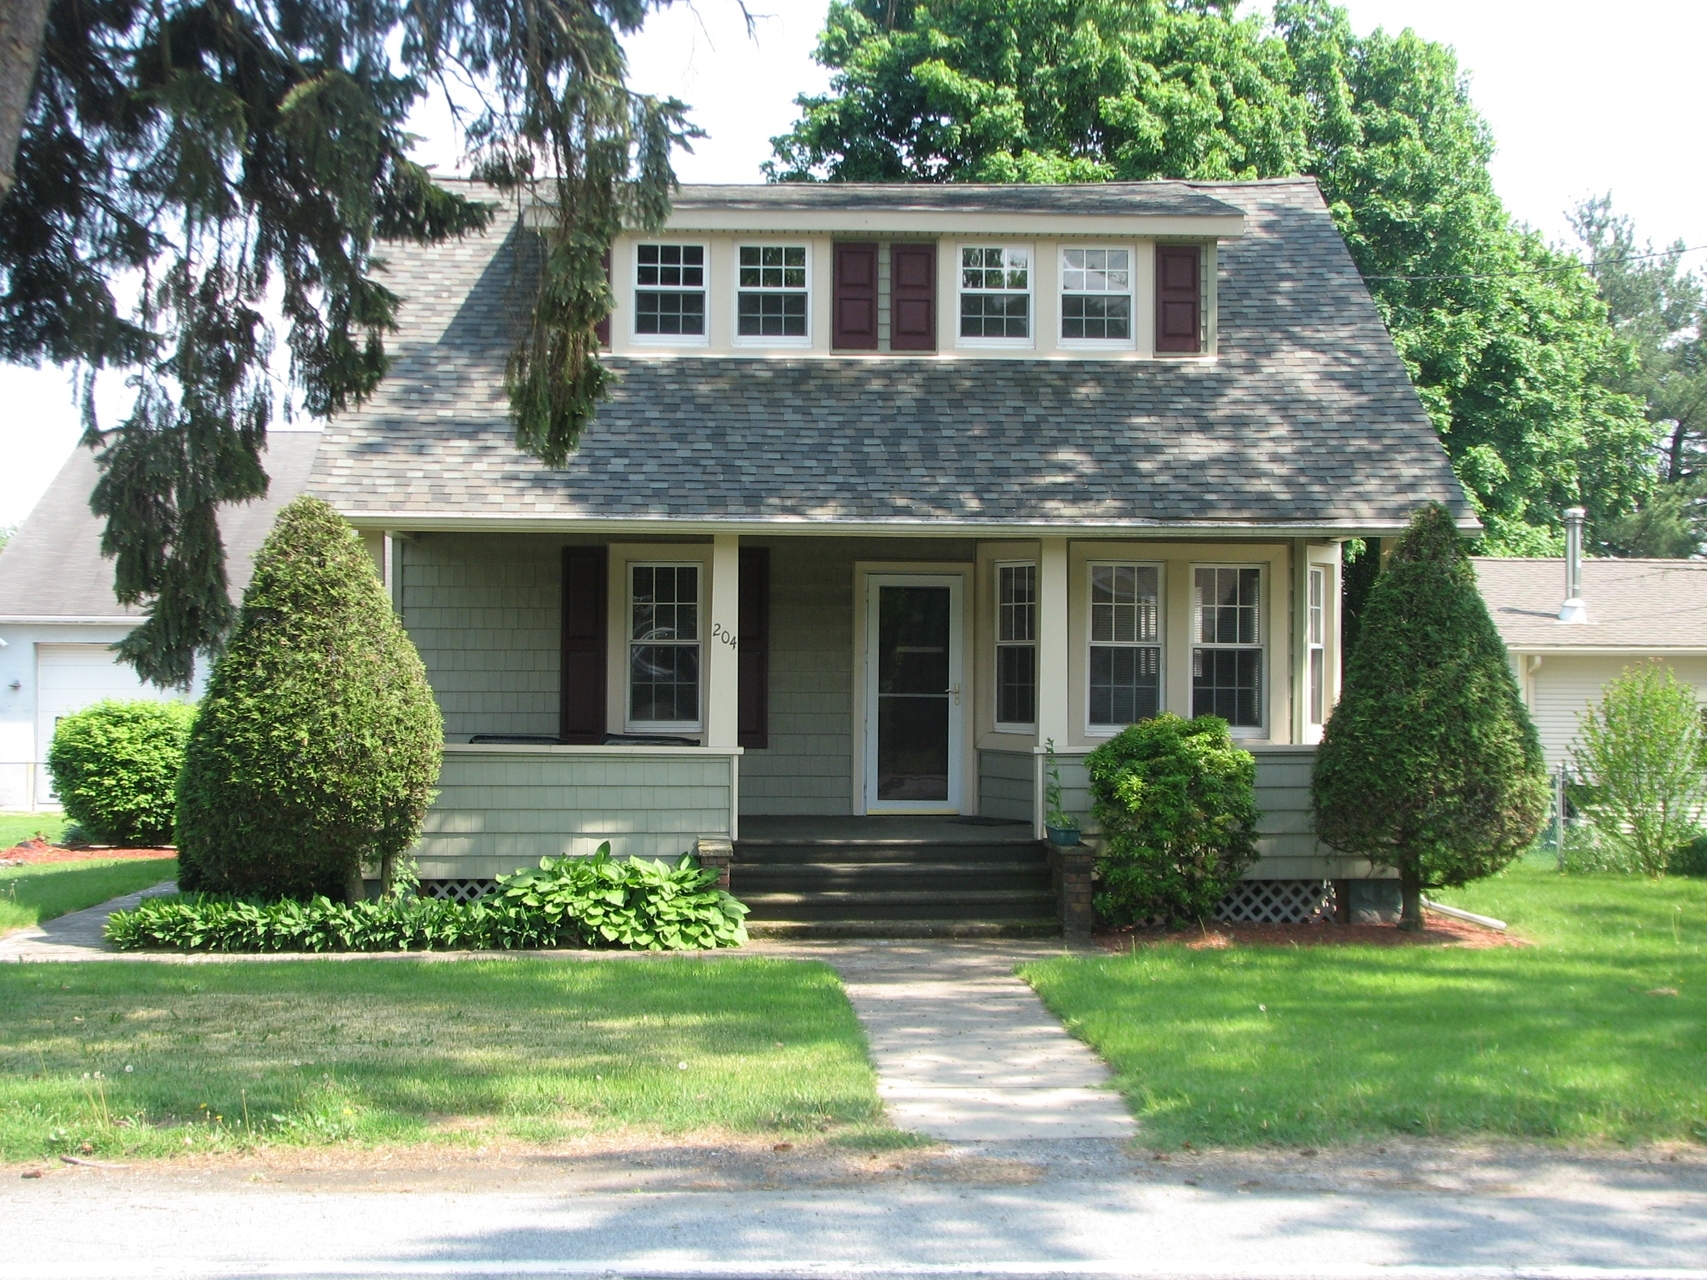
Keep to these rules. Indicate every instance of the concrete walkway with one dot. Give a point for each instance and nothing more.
(76, 936)
(965, 1051)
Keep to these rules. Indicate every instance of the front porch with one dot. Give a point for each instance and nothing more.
(785, 693)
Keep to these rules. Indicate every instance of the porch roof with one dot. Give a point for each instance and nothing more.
(1305, 420)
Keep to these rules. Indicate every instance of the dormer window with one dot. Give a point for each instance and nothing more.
(1096, 295)
(995, 294)
(771, 296)
(669, 292)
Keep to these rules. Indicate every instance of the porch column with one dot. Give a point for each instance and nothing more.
(723, 673)
(1300, 639)
(1053, 703)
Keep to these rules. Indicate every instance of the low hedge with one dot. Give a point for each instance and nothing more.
(565, 902)
(115, 768)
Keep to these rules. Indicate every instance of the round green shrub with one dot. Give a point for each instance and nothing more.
(1429, 764)
(318, 741)
(115, 767)
(1176, 801)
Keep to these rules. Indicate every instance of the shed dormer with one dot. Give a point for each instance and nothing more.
(1105, 271)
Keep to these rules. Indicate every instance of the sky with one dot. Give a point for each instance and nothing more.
(1582, 99)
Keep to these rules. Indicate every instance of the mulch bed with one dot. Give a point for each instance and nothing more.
(1442, 931)
(36, 849)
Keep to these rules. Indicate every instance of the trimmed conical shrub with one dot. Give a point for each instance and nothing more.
(1429, 764)
(318, 741)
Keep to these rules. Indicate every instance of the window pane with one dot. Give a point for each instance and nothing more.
(1227, 683)
(1016, 684)
(1125, 684)
(669, 313)
(1016, 602)
(1227, 604)
(1318, 686)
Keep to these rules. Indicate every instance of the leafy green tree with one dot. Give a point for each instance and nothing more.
(1504, 337)
(227, 155)
(1660, 310)
(1429, 764)
(1176, 801)
(1642, 755)
(318, 740)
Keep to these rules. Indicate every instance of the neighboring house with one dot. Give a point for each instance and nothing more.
(58, 617)
(896, 485)
(1636, 609)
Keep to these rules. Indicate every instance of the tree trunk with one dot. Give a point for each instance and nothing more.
(1410, 894)
(387, 873)
(23, 23)
(354, 889)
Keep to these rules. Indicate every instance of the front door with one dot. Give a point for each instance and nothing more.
(913, 693)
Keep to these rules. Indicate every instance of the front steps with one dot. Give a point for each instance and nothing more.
(909, 885)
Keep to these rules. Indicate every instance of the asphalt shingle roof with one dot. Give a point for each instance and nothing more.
(1305, 419)
(1117, 199)
(53, 567)
(1632, 604)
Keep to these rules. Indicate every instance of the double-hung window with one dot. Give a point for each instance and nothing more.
(1125, 644)
(1016, 644)
(1226, 655)
(663, 645)
(1096, 295)
(1317, 639)
(669, 291)
(995, 293)
(771, 294)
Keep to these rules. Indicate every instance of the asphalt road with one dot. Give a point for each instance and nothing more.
(1051, 1209)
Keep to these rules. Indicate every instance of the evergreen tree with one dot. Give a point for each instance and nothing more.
(1504, 336)
(232, 154)
(318, 740)
(1429, 764)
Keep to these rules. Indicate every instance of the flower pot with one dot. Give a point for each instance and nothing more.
(1062, 835)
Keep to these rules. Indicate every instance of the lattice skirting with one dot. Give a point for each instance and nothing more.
(456, 890)
(1277, 902)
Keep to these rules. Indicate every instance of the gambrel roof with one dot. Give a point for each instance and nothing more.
(1304, 422)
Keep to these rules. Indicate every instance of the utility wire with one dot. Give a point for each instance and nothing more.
(1542, 271)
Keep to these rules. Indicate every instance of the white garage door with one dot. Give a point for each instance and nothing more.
(70, 677)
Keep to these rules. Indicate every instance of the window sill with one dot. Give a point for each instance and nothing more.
(670, 340)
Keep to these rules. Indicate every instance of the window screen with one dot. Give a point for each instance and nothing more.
(1016, 644)
(1226, 657)
(1125, 666)
(1096, 294)
(771, 299)
(995, 292)
(669, 293)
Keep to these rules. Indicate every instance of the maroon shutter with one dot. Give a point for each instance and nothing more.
(912, 297)
(1178, 297)
(603, 328)
(582, 714)
(754, 647)
(854, 307)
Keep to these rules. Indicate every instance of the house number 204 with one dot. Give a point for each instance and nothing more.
(720, 632)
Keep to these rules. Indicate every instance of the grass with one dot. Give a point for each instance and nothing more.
(43, 890)
(154, 1059)
(1560, 1040)
(15, 828)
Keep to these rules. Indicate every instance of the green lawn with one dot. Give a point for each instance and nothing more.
(1561, 1039)
(15, 828)
(41, 891)
(219, 1056)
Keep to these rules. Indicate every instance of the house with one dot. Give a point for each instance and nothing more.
(897, 486)
(59, 619)
(1632, 610)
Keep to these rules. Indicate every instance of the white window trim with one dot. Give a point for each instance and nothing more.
(1129, 343)
(1010, 344)
(1014, 726)
(629, 723)
(1315, 641)
(759, 340)
(1092, 728)
(1264, 627)
(634, 286)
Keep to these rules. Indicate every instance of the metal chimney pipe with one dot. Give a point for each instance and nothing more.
(1575, 609)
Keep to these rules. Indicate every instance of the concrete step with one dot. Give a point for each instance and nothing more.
(921, 928)
(902, 904)
(793, 852)
(942, 877)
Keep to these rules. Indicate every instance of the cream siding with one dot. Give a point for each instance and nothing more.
(1563, 686)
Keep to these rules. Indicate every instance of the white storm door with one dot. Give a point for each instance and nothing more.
(913, 681)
